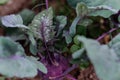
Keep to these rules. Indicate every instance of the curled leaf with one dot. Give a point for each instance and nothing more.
(12, 21)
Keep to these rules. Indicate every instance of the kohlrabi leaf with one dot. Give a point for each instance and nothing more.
(41, 67)
(99, 7)
(9, 48)
(104, 59)
(72, 29)
(13, 21)
(33, 49)
(78, 53)
(14, 62)
(17, 67)
(81, 9)
(115, 40)
(62, 20)
(15, 34)
(115, 44)
(104, 13)
(3, 2)
(27, 16)
(116, 48)
(42, 24)
(75, 40)
(74, 48)
(67, 36)
(33, 44)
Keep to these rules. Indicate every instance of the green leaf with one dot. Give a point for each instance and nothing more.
(45, 17)
(115, 44)
(2, 78)
(81, 10)
(13, 21)
(99, 7)
(115, 40)
(15, 34)
(62, 22)
(17, 67)
(14, 62)
(104, 59)
(33, 49)
(27, 16)
(116, 48)
(67, 36)
(36, 22)
(72, 28)
(38, 64)
(3, 2)
(103, 13)
(74, 48)
(33, 44)
(85, 22)
(78, 53)
(8, 48)
(76, 41)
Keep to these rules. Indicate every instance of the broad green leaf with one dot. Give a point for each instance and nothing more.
(27, 16)
(43, 19)
(17, 67)
(48, 13)
(103, 58)
(13, 21)
(115, 44)
(3, 2)
(9, 48)
(103, 13)
(14, 62)
(116, 48)
(38, 64)
(99, 7)
(62, 20)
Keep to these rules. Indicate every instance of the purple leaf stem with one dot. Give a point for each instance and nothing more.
(45, 44)
(46, 1)
(103, 35)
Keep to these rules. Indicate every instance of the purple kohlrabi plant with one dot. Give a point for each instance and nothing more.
(56, 70)
(54, 61)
